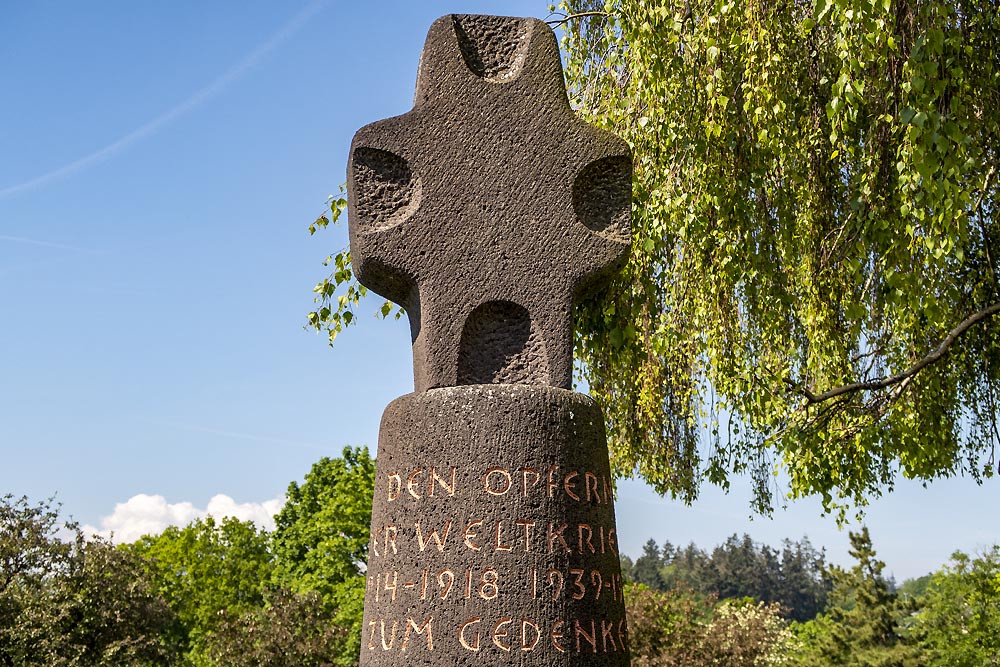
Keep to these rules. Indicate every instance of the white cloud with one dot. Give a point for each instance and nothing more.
(143, 514)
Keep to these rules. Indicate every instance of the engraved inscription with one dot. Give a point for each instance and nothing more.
(591, 635)
(433, 548)
(387, 638)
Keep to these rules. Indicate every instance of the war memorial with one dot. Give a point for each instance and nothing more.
(487, 212)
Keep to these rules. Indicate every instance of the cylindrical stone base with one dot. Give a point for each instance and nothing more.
(493, 533)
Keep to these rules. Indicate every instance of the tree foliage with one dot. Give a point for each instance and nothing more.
(322, 532)
(677, 629)
(795, 579)
(321, 539)
(209, 594)
(289, 630)
(241, 593)
(959, 620)
(813, 277)
(205, 569)
(866, 624)
(70, 602)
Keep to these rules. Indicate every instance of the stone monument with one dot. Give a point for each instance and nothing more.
(487, 211)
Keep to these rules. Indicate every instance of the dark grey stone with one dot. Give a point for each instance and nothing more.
(493, 533)
(490, 208)
(487, 211)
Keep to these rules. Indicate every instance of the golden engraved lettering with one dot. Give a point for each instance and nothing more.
(390, 539)
(602, 539)
(497, 635)
(378, 584)
(461, 634)
(525, 644)
(623, 634)
(608, 488)
(410, 623)
(468, 583)
(504, 479)
(580, 541)
(440, 541)
(584, 634)
(581, 587)
(589, 477)
(451, 580)
(581, 583)
(470, 533)
(488, 588)
(606, 630)
(558, 534)
(597, 581)
(553, 482)
(371, 636)
(612, 544)
(527, 526)
(498, 545)
(525, 472)
(394, 479)
(412, 481)
(434, 477)
(375, 536)
(555, 635)
(580, 632)
(392, 638)
(392, 588)
(423, 586)
(568, 486)
(553, 576)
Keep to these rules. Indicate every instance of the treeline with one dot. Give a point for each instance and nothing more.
(225, 594)
(228, 594)
(796, 578)
(950, 618)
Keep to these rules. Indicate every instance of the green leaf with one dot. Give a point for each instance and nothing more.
(821, 9)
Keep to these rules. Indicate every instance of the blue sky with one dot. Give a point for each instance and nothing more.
(159, 165)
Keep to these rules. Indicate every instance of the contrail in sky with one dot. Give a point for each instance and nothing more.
(240, 436)
(44, 244)
(167, 117)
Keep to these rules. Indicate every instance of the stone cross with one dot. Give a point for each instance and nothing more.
(489, 208)
(487, 211)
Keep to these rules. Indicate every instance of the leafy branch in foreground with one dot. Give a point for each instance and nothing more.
(566, 18)
(904, 377)
(339, 294)
(814, 210)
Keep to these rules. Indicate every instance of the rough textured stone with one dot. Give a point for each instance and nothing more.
(493, 533)
(488, 209)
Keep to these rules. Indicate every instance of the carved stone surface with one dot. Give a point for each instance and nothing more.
(493, 533)
(488, 209)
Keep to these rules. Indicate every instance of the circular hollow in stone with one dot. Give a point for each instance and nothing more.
(501, 345)
(388, 193)
(602, 196)
(493, 47)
